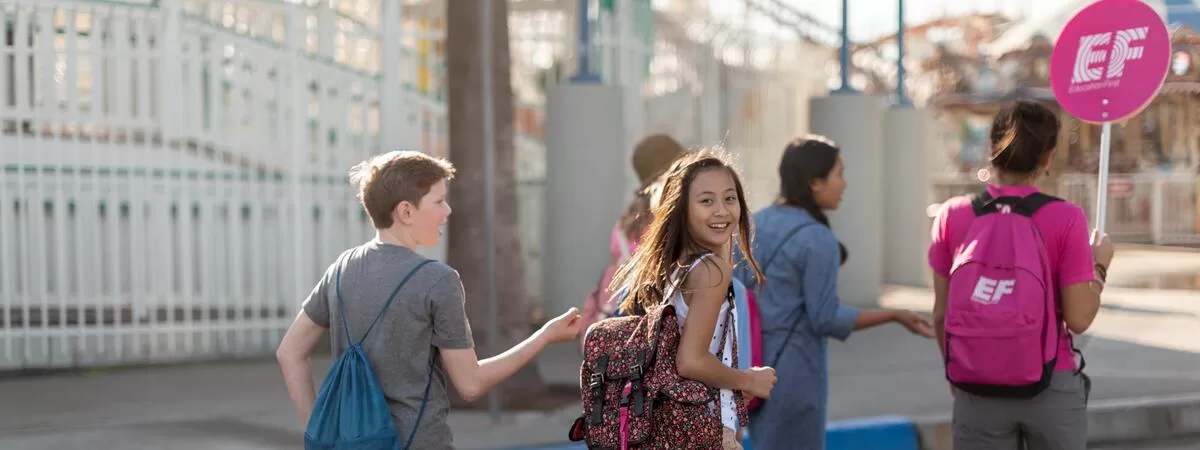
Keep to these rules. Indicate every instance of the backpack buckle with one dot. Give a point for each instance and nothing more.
(637, 369)
(596, 380)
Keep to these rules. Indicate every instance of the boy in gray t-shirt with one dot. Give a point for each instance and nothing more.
(405, 195)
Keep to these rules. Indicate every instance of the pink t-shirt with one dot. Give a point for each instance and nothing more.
(1063, 226)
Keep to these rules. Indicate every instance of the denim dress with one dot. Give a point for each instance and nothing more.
(801, 260)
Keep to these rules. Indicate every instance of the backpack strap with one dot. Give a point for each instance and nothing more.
(1037, 200)
(392, 297)
(983, 203)
(785, 240)
(433, 354)
(979, 203)
(596, 384)
(337, 292)
(341, 301)
(799, 317)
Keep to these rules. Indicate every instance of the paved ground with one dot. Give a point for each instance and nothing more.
(1178, 444)
(1144, 344)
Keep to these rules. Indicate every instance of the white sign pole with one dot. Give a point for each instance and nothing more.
(1101, 200)
(1102, 189)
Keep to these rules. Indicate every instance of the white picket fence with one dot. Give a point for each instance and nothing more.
(102, 266)
(1147, 208)
(1154, 208)
(172, 183)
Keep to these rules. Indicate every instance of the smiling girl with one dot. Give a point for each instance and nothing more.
(685, 258)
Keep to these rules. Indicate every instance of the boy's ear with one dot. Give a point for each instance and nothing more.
(403, 212)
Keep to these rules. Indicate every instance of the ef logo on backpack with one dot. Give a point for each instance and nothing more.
(989, 291)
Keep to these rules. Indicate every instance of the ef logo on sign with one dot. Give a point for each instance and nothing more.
(1110, 60)
(1094, 57)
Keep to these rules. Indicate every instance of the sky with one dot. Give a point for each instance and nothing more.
(870, 19)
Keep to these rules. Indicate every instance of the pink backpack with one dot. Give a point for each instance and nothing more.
(756, 359)
(600, 304)
(1002, 324)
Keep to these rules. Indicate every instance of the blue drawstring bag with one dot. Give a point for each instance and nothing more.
(351, 411)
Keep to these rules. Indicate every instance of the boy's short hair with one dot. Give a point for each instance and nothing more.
(385, 180)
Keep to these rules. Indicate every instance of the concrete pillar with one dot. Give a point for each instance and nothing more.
(946, 143)
(585, 186)
(711, 130)
(908, 136)
(855, 123)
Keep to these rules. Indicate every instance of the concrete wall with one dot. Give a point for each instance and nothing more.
(855, 122)
(908, 133)
(586, 182)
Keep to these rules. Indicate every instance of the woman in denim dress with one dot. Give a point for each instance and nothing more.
(798, 302)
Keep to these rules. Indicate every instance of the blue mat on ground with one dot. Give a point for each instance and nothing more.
(876, 433)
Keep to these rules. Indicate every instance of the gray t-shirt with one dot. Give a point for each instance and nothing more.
(427, 313)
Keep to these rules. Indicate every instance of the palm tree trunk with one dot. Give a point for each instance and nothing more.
(466, 229)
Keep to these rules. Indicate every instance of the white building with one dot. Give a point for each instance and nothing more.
(173, 171)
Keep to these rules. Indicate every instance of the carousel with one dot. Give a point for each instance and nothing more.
(1155, 155)
(1162, 138)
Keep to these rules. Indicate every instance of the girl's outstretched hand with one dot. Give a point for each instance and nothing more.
(564, 327)
(915, 324)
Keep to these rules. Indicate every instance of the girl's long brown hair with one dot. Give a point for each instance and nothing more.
(668, 243)
(637, 215)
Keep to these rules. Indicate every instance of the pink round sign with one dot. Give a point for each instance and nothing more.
(1110, 60)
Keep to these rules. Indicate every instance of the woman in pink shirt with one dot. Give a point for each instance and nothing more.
(1050, 411)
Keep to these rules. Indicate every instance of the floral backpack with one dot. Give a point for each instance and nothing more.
(633, 397)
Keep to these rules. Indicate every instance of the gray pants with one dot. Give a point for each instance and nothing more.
(1055, 419)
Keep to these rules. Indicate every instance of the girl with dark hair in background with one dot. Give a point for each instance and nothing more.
(1022, 143)
(798, 302)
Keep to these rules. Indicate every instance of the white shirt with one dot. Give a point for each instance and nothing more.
(729, 416)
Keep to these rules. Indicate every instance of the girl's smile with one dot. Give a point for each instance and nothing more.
(713, 208)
